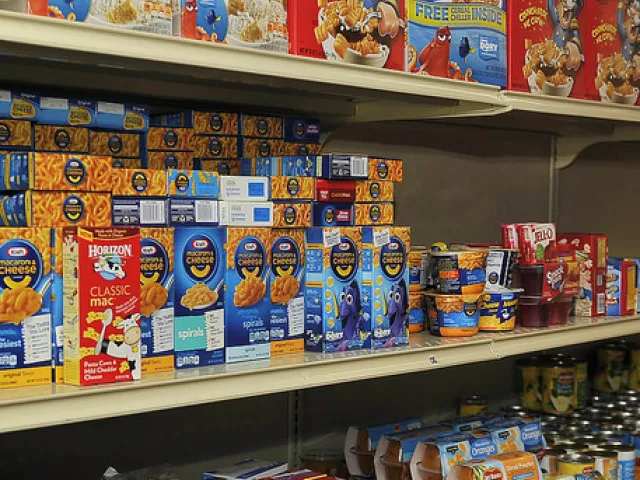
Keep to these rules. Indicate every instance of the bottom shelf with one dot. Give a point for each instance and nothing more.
(34, 407)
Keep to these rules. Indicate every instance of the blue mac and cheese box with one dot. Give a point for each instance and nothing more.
(458, 40)
(335, 318)
(193, 184)
(305, 130)
(122, 116)
(19, 105)
(199, 269)
(67, 111)
(332, 214)
(289, 166)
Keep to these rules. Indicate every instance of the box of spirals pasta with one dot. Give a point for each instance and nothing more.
(199, 268)
(286, 285)
(156, 299)
(25, 306)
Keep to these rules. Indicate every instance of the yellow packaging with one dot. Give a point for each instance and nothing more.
(16, 134)
(166, 160)
(579, 466)
(558, 384)
(385, 169)
(57, 138)
(156, 299)
(169, 138)
(301, 149)
(374, 214)
(292, 215)
(292, 188)
(260, 148)
(215, 147)
(25, 303)
(374, 191)
(215, 123)
(139, 183)
(530, 383)
(126, 163)
(115, 144)
(262, 126)
(223, 167)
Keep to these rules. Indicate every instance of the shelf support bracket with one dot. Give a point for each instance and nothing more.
(569, 147)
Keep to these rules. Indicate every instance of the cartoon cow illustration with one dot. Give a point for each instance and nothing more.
(107, 265)
(129, 348)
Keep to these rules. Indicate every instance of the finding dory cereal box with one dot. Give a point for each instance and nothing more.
(25, 303)
(335, 317)
(247, 301)
(385, 282)
(199, 269)
(459, 40)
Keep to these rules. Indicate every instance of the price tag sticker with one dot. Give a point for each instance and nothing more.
(331, 237)
(381, 238)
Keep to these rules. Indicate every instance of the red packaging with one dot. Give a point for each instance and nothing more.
(545, 47)
(510, 235)
(327, 32)
(335, 191)
(611, 51)
(537, 243)
(549, 280)
(102, 305)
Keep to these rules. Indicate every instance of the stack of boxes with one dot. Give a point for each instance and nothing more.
(170, 147)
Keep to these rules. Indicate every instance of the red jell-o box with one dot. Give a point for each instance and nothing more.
(537, 243)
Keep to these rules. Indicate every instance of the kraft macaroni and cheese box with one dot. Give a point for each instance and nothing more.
(286, 286)
(246, 214)
(115, 144)
(261, 126)
(260, 148)
(291, 214)
(126, 163)
(139, 211)
(374, 213)
(334, 311)
(255, 189)
(223, 167)
(58, 138)
(216, 147)
(169, 160)
(386, 284)
(342, 166)
(16, 135)
(67, 111)
(25, 327)
(288, 166)
(139, 183)
(156, 299)
(101, 287)
(246, 294)
(203, 123)
(193, 184)
(57, 301)
(388, 169)
(370, 191)
(202, 212)
(622, 291)
(459, 41)
(169, 138)
(122, 116)
(292, 188)
(301, 130)
(332, 215)
(301, 149)
(19, 105)
(199, 269)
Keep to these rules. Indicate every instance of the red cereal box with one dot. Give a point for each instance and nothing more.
(363, 32)
(537, 243)
(101, 284)
(612, 53)
(546, 53)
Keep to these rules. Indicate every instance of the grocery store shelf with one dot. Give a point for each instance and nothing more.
(33, 407)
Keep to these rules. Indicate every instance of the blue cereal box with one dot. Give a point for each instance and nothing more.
(193, 184)
(332, 215)
(286, 285)
(302, 130)
(458, 40)
(156, 299)
(334, 318)
(247, 302)
(621, 292)
(122, 116)
(63, 111)
(19, 105)
(199, 268)
(385, 284)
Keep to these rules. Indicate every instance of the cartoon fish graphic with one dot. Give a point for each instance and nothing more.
(464, 48)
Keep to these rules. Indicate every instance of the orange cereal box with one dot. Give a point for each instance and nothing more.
(374, 213)
(166, 160)
(214, 147)
(385, 169)
(291, 214)
(101, 282)
(261, 126)
(115, 144)
(56, 138)
(374, 191)
(25, 307)
(139, 183)
(169, 138)
(16, 134)
(292, 188)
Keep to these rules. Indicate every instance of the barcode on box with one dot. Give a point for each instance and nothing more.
(152, 212)
(206, 211)
(601, 303)
(359, 167)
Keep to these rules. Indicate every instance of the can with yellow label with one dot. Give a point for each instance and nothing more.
(581, 467)
(558, 385)
(529, 384)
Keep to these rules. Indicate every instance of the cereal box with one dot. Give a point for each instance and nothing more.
(247, 300)
(370, 191)
(292, 188)
(101, 278)
(122, 116)
(254, 25)
(156, 299)
(58, 138)
(332, 215)
(222, 167)
(612, 68)
(246, 214)
(339, 191)
(216, 147)
(25, 325)
(132, 163)
(115, 144)
(537, 243)
(192, 184)
(261, 126)
(622, 291)
(169, 138)
(139, 183)
(63, 111)
(301, 149)
(57, 301)
(16, 135)
(302, 130)
(244, 188)
(139, 211)
(463, 42)
(291, 214)
(343, 166)
(385, 169)
(332, 31)
(19, 105)
(334, 316)
(374, 213)
(199, 266)
(168, 160)
(546, 50)
(286, 286)
(257, 148)
(385, 281)
(193, 211)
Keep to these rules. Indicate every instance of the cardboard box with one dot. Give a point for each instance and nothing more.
(126, 163)
(261, 126)
(246, 214)
(156, 299)
(169, 139)
(286, 286)
(67, 111)
(292, 188)
(313, 34)
(102, 336)
(193, 212)
(16, 135)
(622, 292)
(139, 183)
(203, 123)
(343, 166)
(333, 276)
(139, 212)
(115, 144)
(216, 147)
(246, 294)
(254, 189)
(374, 213)
(291, 214)
(335, 191)
(301, 149)
(199, 266)
(388, 169)
(260, 148)
(57, 138)
(385, 280)
(537, 243)
(301, 130)
(169, 160)
(288, 166)
(57, 301)
(542, 28)
(370, 191)
(19, 105)
(193, 184)
(222, 167)
(25, 332)
(128, 117)
(332, 215)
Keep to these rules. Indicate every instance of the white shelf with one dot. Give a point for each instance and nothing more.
(33, 407)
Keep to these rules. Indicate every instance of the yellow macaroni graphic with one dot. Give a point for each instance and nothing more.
(100, 173)
(148, 182)
(16, 133)
(450, 303)
(51, 138)
(152, 297)
(198, 295)
(250, 290)
(16, 304)
(115, 144)
(284, 288)
(164, 160)
(471, 260)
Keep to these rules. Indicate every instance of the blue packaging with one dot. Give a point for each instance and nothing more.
(19, 105)
(332, 215)
(63, 111)
(193, 212)
(122, 116)
(342, 166)
(199, 269)
(15, 171)
(465, 41)
(192, 184)
(302, 130)
(287, 166)
(15, 210)
(453, 315)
